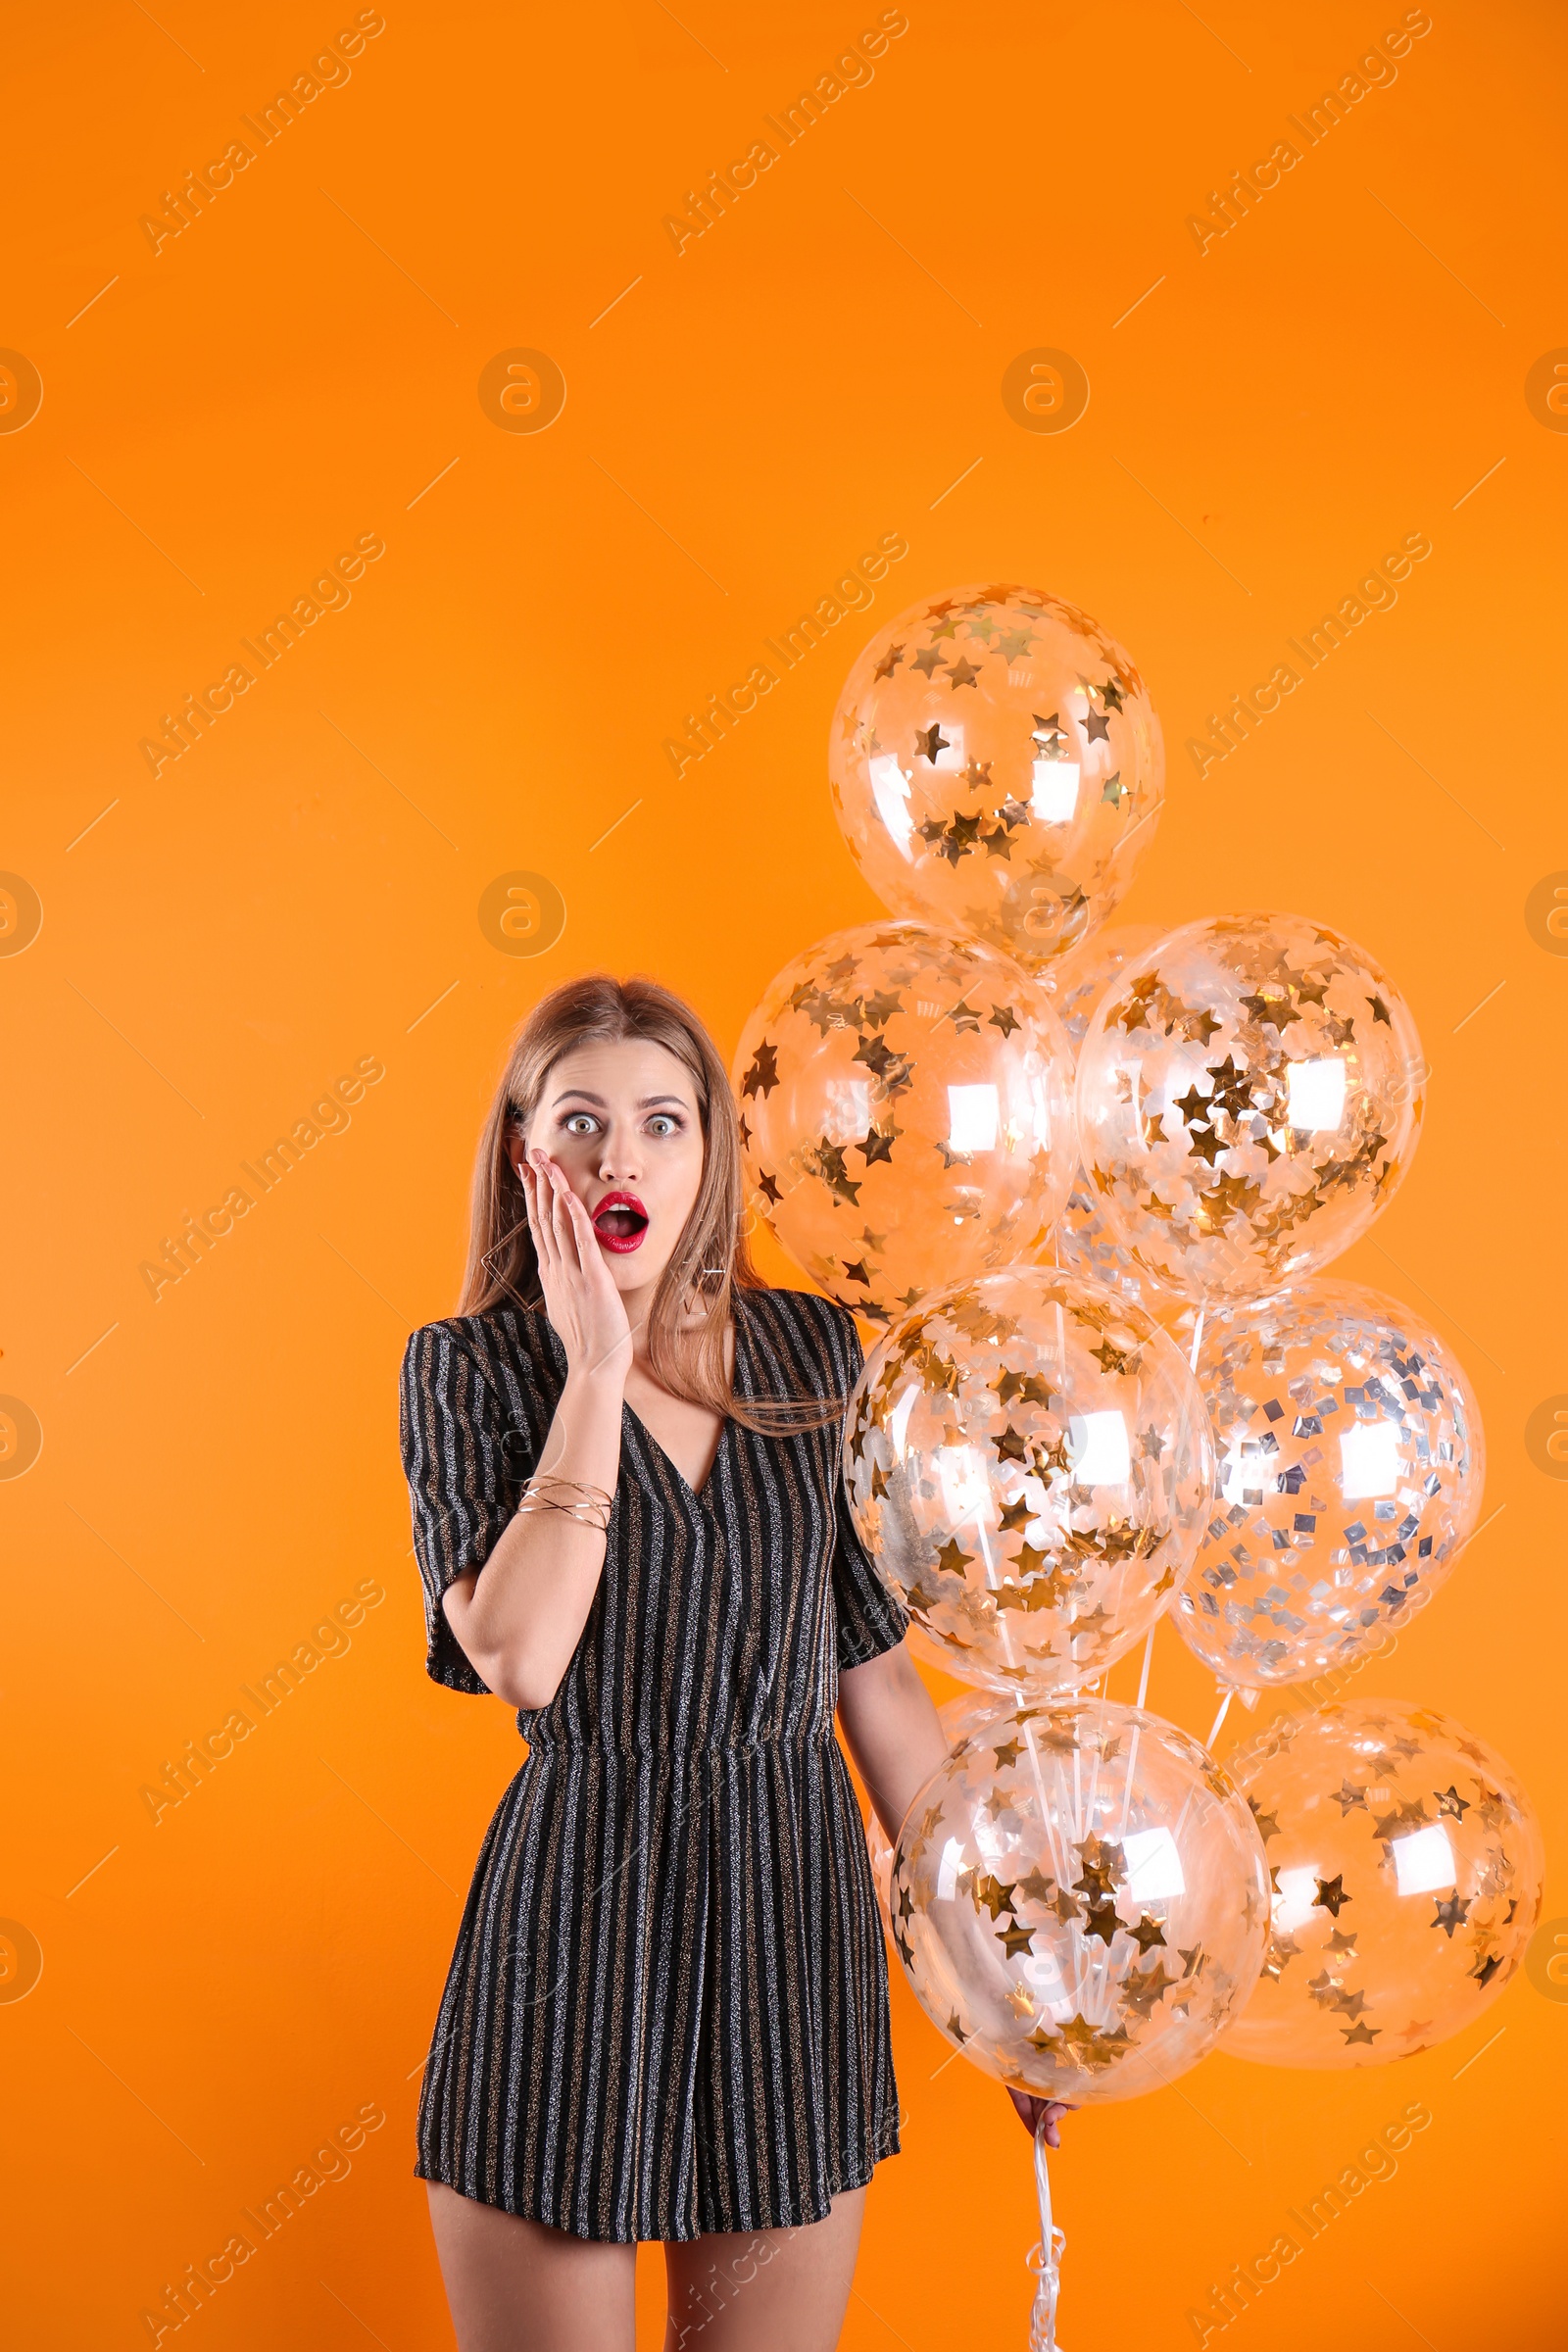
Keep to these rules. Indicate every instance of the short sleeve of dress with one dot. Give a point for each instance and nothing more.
(466, 1469)
(870, 1619)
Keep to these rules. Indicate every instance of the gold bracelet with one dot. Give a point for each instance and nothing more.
(548, 1478)
(587, 1513)
(583, 1512)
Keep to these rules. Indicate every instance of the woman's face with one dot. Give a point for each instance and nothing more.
(622, 1119)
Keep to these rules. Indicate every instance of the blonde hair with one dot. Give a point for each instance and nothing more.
(711, 1259)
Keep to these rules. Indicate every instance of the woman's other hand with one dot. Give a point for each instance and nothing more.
(1030, 2110)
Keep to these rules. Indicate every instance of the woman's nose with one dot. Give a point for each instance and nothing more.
(618, 1159)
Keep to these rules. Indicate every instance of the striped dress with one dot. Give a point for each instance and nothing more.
(668, 2008)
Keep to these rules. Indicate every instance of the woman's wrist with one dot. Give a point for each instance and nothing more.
(603, 1380)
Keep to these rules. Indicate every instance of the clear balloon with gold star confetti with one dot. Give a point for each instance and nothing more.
(1350, 1465)
(905, 1114)
(1249, 1095)
(1080, 1900)
(997, 769)
(1406, 1868)
(1028, 1460)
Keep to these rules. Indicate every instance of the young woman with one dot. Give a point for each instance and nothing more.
(666, 2014)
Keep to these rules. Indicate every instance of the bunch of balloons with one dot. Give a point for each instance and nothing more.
(1086, 1182)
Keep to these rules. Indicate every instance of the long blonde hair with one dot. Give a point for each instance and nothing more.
(710, 1260)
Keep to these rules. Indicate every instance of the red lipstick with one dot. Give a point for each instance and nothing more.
(620, 1221)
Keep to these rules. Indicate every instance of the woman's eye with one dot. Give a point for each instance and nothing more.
(572, 1127)
(664, 1123)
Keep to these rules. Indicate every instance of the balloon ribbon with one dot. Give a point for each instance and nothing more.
(1045, 2258)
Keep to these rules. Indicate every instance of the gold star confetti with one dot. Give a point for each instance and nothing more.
(990, 1896)
(1142, 1988)
(1088, 2047)
(1451, 1912)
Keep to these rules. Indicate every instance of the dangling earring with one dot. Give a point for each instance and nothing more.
(695, 1300)
(496, 1247)
(489, 1257)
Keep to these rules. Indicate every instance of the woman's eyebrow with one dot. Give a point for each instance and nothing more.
(650, 1102)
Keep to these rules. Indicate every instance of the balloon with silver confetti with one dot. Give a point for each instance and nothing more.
(1350, 1465)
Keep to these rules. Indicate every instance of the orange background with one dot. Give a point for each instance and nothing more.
(219, 1467)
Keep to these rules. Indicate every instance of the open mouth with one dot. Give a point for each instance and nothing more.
(621, 1222)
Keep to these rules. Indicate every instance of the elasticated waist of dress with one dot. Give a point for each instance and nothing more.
(667, 1750)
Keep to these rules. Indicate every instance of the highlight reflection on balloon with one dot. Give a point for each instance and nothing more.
(1029, 1462)
(906, 1113)
(1351, 1466)
(996, 767)
(1080, 1900)
(1407, 1866)
(1249, 1099)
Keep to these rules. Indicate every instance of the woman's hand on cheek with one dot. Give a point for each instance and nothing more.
(584, 1307)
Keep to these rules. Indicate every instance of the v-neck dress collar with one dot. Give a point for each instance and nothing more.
(698, 1495)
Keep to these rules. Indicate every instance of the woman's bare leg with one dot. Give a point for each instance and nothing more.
(765, 2290)
(521, 2286)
